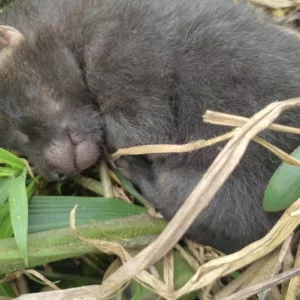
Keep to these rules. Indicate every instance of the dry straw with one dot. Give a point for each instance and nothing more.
(197, 201)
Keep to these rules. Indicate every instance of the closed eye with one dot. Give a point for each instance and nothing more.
(21, 137)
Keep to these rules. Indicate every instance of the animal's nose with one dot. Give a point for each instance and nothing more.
(70, 154)
(76, 137)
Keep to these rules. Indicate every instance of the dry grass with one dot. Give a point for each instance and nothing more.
(207, 272)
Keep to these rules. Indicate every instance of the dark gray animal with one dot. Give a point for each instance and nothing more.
(153, 68)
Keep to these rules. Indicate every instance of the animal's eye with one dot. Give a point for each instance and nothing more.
(21, 137)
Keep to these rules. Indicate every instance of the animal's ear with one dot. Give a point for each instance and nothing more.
(9, 37)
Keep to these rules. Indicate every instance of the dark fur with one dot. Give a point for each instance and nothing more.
(154, 67)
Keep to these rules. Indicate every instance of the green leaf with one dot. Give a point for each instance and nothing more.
(12, 160)
(6, 290)
(4, 210)
(59, 187)
(128, 186)
(53, 212)
(3, 190)
(235, 274)
(138, 293)
(53, 245)
(6, 230)
(31, 188)
(284, 186)
(18, 204)
(182, 273)
(7, 172)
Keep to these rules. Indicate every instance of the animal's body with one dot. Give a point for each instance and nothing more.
(144, 72)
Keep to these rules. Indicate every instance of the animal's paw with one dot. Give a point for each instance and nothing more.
(124, 165)
(133, 167)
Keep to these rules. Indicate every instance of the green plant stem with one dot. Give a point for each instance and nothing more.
(49, 246)
(128, 186)
(90, 184)
(71, 277)
(105, 180)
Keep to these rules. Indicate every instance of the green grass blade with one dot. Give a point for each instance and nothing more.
(128, 186)
(4, 210)
(31, 188)
(49, 212)
(3, 190)
(5, 174)
(48, 246)
(90, 183)
(12, 160)
(6, 230)
(284, 186)
(182, 273)
(6, 290)
(18, 204)
(8, 170)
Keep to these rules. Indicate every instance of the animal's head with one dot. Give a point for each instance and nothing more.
(45, 109)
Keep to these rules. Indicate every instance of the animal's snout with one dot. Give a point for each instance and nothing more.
(70, 154)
